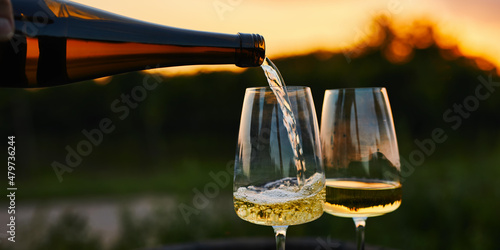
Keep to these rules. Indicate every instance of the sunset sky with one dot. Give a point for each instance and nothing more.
(295, 27)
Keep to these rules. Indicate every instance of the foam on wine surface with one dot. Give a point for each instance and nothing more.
(281, 191)
(279, 203)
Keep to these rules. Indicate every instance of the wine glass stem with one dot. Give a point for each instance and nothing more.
(280, 234)
(360, 223)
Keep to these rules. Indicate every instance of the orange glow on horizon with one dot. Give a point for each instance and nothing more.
(297, 28)
(103, 80)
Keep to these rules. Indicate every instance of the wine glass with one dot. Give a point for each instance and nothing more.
(278, 174)
(360, 155)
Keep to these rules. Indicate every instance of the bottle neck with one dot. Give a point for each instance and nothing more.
(252, 50)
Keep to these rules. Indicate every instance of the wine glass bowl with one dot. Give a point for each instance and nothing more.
(360, 155)
(278, 174)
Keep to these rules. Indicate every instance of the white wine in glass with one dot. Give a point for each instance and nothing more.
(359, 198)
(360, 155)
(278, 173)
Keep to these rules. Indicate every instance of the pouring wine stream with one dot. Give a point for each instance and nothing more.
(278, 86)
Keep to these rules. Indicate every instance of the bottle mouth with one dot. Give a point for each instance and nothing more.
(252, 51)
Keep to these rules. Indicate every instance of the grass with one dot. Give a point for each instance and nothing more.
(174, 178)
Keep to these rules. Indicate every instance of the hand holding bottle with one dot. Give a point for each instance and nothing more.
(6, 20)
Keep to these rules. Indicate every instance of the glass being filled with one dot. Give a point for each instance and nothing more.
(276, 184)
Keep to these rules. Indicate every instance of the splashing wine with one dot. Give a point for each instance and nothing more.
(278, 86)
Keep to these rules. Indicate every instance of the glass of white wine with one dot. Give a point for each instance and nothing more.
(278, 173)
(360, 155)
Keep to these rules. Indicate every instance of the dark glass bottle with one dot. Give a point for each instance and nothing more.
(60, 42)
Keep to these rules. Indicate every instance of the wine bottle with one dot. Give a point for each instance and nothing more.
(60, 42)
